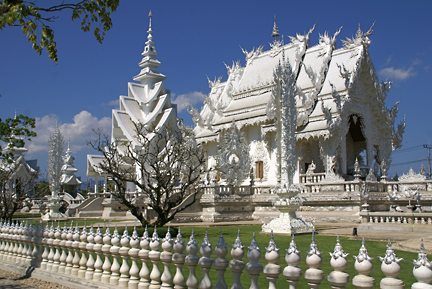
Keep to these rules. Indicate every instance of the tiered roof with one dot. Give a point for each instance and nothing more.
(322, 71)
(147, 101)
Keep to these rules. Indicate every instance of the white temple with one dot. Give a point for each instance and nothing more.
(341, 112)
(324, 133)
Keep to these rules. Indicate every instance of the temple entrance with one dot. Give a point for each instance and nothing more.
(355, 144)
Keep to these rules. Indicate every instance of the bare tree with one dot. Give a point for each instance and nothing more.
(165, 166)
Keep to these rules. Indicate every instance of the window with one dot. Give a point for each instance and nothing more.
(259, 169)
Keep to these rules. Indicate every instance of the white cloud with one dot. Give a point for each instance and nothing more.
(394, 73)
(113, 103)
(78, 132)
(188, 99)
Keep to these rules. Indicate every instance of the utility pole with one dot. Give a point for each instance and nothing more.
(429, 148)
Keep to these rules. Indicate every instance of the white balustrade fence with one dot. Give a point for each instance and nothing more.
(124, 261)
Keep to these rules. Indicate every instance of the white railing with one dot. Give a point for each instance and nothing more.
(396, 218)
(312, 178)
(114, 261)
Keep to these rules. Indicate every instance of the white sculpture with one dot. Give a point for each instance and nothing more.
(283, 109)
(233, 157)
(55, 161)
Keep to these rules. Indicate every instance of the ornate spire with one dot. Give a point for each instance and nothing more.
(275, 32)
(149, 62)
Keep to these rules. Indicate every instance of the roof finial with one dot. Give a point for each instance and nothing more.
(150, 21)
(149, 49)
(275, 32)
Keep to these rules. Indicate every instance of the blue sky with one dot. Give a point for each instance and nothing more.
(194, 39)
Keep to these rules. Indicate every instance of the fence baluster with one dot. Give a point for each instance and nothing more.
(272, 268)
(292, 257)
(56, 242)
(205, 262)
(144, 273)
(390, 267)
(63, 249)
(123, 251)
(68, 245)
(82, 248)
(133, 253)
(313, 274)
(106, 266)
(422, 270)
(253, 267)
(221, 263)
(97, 248)
(75, 246)
(191, 261)
(363, 265)
(178, 259)
(165, 258)
(236, 264)
(154, 256)
(90, 260)
(114, 250)
(338, 279)
(51, 249)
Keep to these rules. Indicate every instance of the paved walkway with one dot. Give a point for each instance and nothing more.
(404, 240)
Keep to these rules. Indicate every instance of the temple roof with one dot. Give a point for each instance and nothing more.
(321, 70)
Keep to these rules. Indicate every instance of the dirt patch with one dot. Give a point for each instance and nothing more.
(18, 281)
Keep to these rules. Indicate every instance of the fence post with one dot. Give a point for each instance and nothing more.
(313, 274)
(205, 262)
(221, 263)
(292, 257)
(272, 268)
(178, 259)
(236, 264)
(191, 261)
(390, 267)
(337, 278)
